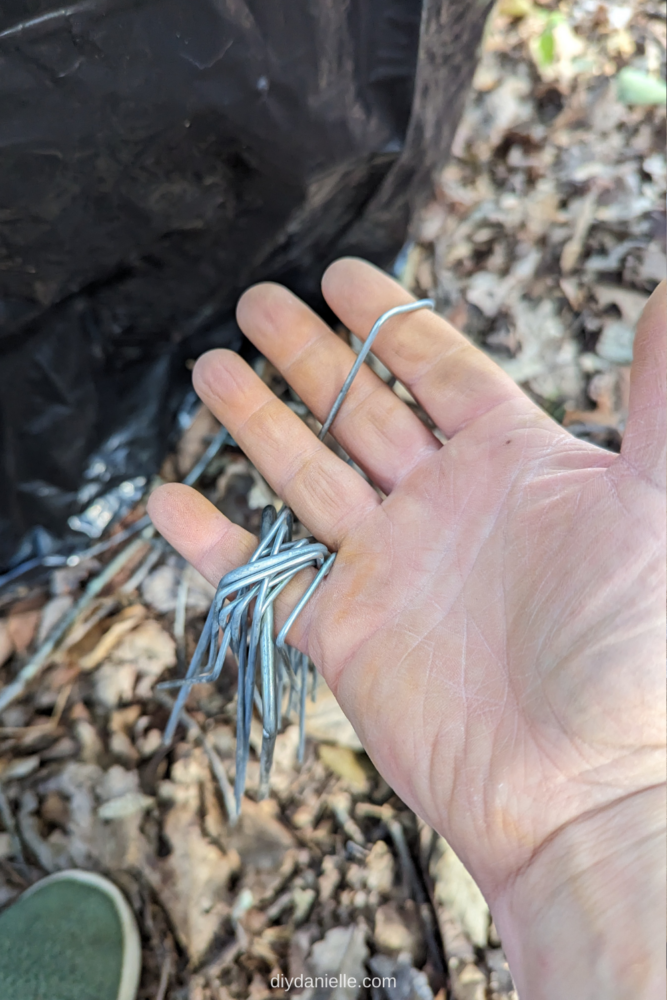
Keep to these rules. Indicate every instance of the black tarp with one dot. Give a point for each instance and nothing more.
(156, 157)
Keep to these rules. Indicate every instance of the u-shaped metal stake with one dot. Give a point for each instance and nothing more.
(248, 630)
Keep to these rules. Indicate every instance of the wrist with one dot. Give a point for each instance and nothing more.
(585, 918)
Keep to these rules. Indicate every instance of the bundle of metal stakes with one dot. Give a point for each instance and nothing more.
(241, 621)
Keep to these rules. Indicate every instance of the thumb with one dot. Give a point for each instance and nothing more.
(645, 438)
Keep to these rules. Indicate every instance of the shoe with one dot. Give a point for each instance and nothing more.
(71, 936)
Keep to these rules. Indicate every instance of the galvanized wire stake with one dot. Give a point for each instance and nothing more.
(241, 620)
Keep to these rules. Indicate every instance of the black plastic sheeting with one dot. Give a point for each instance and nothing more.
(158, 156)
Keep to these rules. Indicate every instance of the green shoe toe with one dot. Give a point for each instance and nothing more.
(71, 936)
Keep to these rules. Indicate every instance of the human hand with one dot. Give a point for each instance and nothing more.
(494, 627)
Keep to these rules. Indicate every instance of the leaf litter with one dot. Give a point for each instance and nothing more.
(544, 239)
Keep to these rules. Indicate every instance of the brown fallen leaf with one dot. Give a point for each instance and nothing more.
(145, 653)
(192, 880)
(610, 391)
(52, 612)
(345, 763)
(457, 895)
(6, 644)
(629, 303)
(20, 767)
(122, 720)
(259, 837)
(326, 721)
(94, 614)
(468, 982)
(114, 684)
(194, 441)
(397, 930)
(404, 982)
(342, 953)
(127, 620)
(380, 869)
(160, 589)
(125, 805)
(21, 628)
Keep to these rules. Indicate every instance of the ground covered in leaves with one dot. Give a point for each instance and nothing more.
(544, 240)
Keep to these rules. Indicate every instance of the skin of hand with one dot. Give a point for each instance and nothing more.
(493, 627)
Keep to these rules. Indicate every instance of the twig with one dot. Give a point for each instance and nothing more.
(340, 804)
(104, 610)
(34, 667)
(60, 703)
(165, 973)
(144, 568)
(411, 880)
(179, 616)
(214, 447)
(215, 763)
(10, 826)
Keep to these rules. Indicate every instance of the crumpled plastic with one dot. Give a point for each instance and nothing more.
(157, 157)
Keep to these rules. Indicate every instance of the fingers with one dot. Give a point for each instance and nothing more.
(214, 546)
(381, 434)
(454, 381)
(197, 529)
(645, 438)
(327, 495)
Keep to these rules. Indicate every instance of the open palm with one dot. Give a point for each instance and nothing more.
(492, 628)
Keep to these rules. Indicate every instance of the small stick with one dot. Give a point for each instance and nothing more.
(10, 826)
(143, 569)
(165, 974)
(411, 880)
(215, 763)
(179, 615)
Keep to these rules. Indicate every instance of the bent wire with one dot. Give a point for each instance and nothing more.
(241, 619)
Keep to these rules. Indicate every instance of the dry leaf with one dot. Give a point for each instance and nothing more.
(6, 847)
(123, 719)
(548, 358)
(76, 783)
(52, 612)
(160, 589)
(326, 722)
(285, 768)
(341, 953)
(457, 894)
(125, 805)
(584, 217)
(615, 343)
(123, 749)
(380, 869)
(195, 440)
(91, 746)
(21, 628)
(146, 652)
(397, 932)
(95, 613)
(409, 983)
(192, 880)
(629, 303)
(6, 644)
(260, 839)
(487, 292)
(124, 623)
(610, 390)
(468, 982)
(114, 684)
(20, 767)
(149, 648)
(345, 763)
